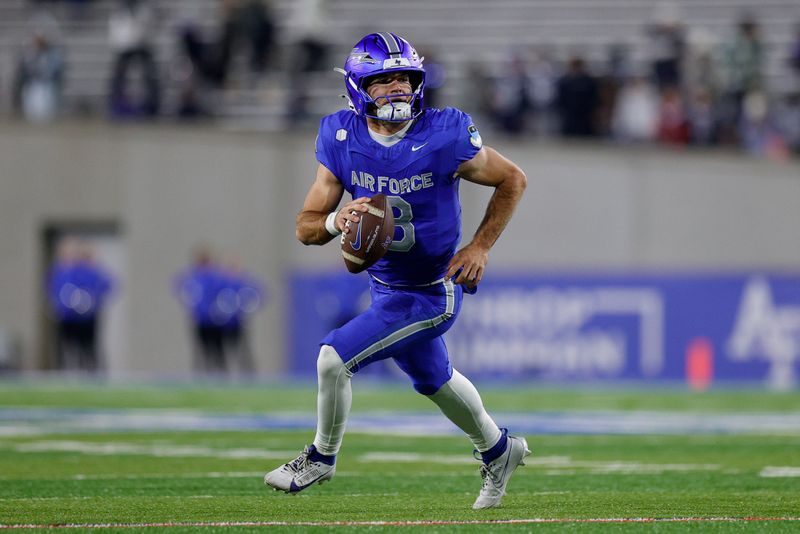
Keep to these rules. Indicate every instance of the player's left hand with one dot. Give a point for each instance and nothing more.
(468, 264)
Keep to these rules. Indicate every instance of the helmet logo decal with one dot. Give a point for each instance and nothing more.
(362, 57)
(393, 63)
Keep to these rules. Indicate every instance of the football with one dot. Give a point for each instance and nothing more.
(369, 241)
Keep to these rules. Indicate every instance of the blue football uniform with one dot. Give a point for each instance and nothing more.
(418, 174)
(412, 304)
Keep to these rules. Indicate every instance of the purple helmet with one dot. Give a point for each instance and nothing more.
(380, 53)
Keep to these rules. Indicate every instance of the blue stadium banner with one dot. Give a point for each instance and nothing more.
(697, 328)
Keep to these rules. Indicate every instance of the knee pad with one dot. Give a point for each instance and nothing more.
(329, 363)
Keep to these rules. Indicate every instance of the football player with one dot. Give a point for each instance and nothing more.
(388, 142)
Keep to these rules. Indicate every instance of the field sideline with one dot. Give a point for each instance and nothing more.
(103, 457)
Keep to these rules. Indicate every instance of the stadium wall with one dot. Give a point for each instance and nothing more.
(588, 208)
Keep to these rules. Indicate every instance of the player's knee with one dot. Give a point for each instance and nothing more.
(426, 389)
(329, 363)
(430, 387)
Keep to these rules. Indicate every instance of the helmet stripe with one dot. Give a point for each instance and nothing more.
(391, 43)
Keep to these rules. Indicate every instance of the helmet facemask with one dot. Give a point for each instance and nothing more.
(397, 107)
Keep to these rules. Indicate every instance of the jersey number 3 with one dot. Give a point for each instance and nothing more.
(403, 221)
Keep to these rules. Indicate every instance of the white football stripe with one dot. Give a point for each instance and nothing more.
(375, 211)
(354, 259)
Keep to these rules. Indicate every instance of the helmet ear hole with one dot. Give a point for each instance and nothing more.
(416, 79)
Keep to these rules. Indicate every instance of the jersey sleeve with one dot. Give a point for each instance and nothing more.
(324, 147)
(467, 140)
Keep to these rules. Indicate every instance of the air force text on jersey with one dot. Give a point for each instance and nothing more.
(395, 186)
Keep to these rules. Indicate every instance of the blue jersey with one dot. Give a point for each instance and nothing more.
(417, 174)
(197, 288)
(77, 291)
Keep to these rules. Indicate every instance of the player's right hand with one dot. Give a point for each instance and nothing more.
(350, 213)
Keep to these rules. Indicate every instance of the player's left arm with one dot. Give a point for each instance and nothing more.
(489, 168)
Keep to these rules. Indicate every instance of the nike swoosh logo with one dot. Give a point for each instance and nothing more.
(357, 243)
(415, 148)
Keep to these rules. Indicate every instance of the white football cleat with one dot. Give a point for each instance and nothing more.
(300, 473)
(497, 473)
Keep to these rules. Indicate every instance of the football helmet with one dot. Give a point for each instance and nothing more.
(376, 54)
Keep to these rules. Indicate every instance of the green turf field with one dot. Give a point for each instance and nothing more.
(166, 480)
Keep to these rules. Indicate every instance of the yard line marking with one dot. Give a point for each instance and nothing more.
(775, 472)
(174, 450)
(212, 474)
(557, 464)
(25, 421)
(442, 522)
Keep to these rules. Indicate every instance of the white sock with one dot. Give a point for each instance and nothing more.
(461, 403)
(334, 398)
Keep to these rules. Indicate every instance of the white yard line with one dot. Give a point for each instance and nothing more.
(29, 421)
(553, 465)
(160, 450)
(777, 472)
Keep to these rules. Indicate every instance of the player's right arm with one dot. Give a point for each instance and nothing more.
(321, 200)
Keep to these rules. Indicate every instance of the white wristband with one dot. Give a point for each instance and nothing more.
(330, 223)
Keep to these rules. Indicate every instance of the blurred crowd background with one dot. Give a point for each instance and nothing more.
(680, 73)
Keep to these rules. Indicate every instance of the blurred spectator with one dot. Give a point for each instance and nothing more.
(702, 87)
(309, 23)
(701, 118)
(701, 68)
(241, 295)
(577, 99)
(542, 93)
(77, 289)
(257, 26)
(635, 117)
(788, 120)
(608, 89)
(244, 25)
(130, 27)
(211, 56)
(758, 128)
(512, 102)
(197, 288)
(673, 128)
(742, 62)
(794, 55)
(665, 45)
(39, 79)
(478, 92)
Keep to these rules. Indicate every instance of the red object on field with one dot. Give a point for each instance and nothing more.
(699, 363)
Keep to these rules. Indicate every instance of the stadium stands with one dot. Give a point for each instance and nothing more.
(484, 31)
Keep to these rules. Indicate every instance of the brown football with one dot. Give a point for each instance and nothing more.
(370, 239)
